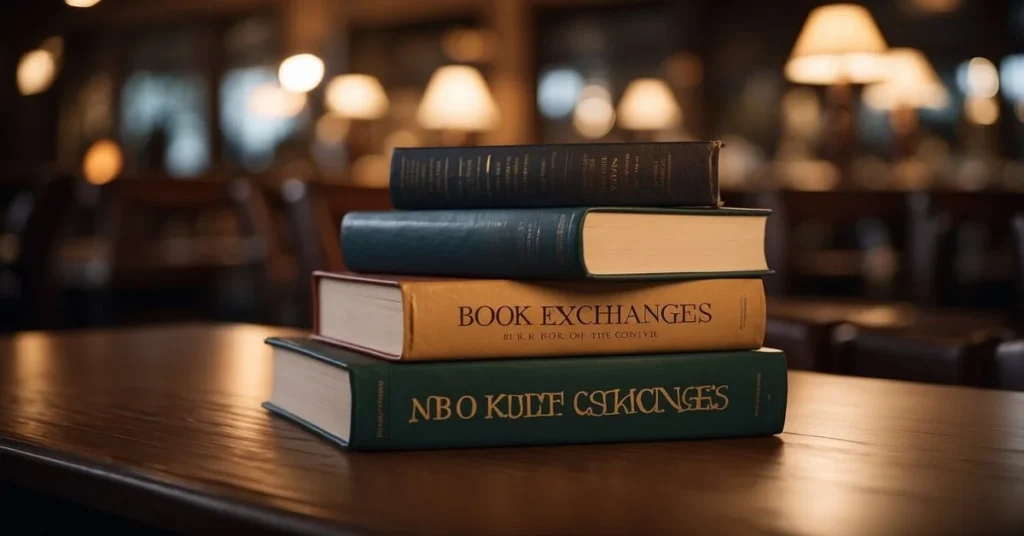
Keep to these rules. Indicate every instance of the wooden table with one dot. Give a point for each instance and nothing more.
(163, 426)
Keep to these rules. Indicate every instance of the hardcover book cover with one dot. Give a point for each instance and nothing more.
(531, 176)
(557, 243)
(438, 318)
(392, 406)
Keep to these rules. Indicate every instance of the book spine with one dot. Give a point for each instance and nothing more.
(370, 424)
(541, 243)
(534, 176)
(495, 319)
(580, 400)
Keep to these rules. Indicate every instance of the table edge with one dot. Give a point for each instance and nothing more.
(93, 484)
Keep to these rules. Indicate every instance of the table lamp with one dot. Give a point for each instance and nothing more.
(839, 46)
(648, 106)
(458, 103)
(357, 96)
(360, 99)
(911, 84)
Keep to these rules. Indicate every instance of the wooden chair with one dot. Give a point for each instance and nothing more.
(35, 206)
(226, 240)
(849, 212)
(315, 211)
(1017, 227)
(1008, 370)
(803, 327)
(935, 218)
(947, 347)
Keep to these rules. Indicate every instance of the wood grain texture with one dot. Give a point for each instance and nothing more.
(163, 425)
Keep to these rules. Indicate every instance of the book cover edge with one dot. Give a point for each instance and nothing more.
(278, 411)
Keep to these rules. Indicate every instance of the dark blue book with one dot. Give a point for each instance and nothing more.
(559, 243)
(566, 175)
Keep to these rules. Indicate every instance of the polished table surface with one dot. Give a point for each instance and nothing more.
(163, 425)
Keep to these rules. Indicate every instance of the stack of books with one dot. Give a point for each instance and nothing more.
(549, 294)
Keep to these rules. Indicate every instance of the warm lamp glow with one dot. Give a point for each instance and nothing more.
(936, 6)
(838, 43)
(981, 110)
(593, 117)
(357, 96)
(36, 72)
(81, 3)
(400, 138)
(301, 73)
(648, 104)
(468, 44)
(371, 171)
(102, 162)
(331, 129)
(54, 45)
(271, 102)
(457, 98)
(981, 78)
(911, 83)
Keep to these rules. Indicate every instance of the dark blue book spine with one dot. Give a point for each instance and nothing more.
(537, 243)
(535, 176)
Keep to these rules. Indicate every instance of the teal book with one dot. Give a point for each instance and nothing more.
(559, 175)
(559, 243)
(363, 403)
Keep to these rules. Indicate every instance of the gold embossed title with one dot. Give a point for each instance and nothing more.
(598, 403)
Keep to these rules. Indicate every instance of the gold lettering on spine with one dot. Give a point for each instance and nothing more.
(522, 406)
(757, 396)
(576, 404)
(640, 401)
(559, 399)
(418, 408)
(720, 391)
(380, 409)
(472, 407)
(492, 407)
(442, 406)
(600, 403)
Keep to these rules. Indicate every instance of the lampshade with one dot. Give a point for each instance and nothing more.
(648, 104)
(357, 96)
(838, 43)
(457, 98)
(911, 82)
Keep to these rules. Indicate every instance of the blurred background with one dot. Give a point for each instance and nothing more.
(189, 160)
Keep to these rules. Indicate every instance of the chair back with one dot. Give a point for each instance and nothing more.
(1009, 365)
(961, 252)
(912, 356)
(193, 230)
(1018, 258)
(32, 210)
(820, 241)
(315, 211)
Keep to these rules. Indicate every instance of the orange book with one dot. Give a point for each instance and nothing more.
(419, 318)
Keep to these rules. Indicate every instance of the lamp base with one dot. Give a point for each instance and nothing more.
(903, 120)
(840, 136)
(458, 138)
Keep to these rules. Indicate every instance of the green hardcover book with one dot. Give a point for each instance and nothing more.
(363, 403)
